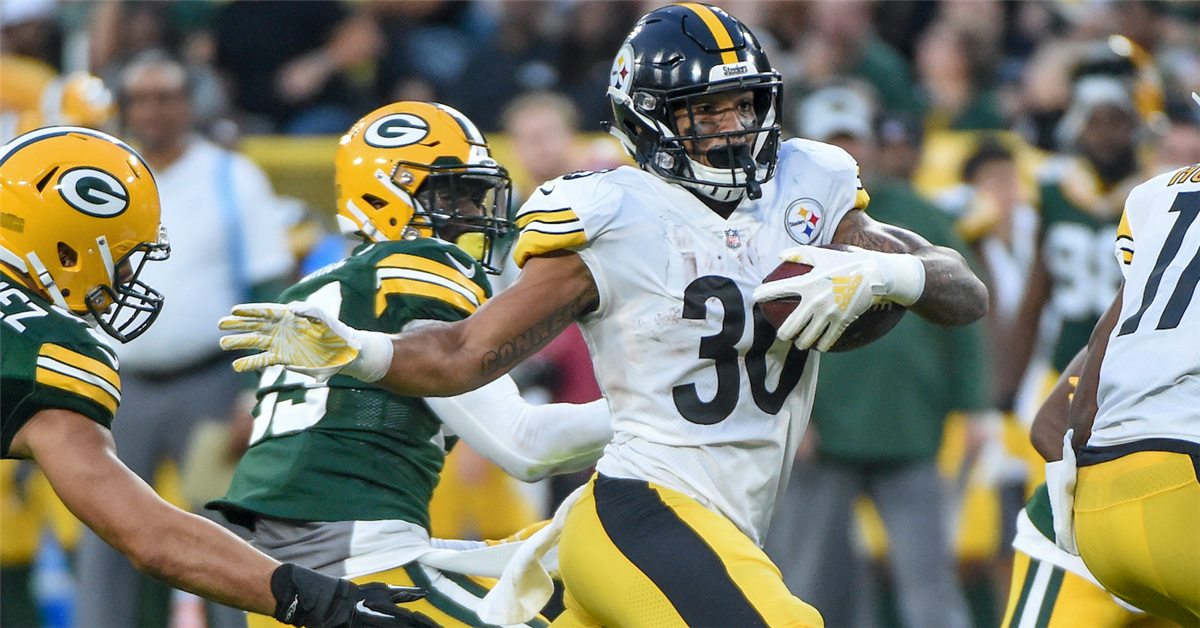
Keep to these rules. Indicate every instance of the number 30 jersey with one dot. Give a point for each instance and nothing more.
(1150, 376)
(704, 400)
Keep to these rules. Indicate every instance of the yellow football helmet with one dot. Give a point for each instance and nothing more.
(414, 169)
(79, 218)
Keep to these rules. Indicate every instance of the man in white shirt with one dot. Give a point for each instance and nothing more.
(228, 244)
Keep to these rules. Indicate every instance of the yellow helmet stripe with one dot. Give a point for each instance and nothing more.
(719, 32)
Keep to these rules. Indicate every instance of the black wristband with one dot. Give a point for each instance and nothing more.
(304, 597)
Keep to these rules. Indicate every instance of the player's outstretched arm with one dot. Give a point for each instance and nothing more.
(186, 551)
(951, 296)
(433, 360)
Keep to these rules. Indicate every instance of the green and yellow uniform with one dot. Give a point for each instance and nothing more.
(338, 470)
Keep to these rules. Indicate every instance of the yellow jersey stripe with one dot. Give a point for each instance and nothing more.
(421, 289)
(534, 243)
(861, 199)
(550, 216)
(415, 262)
(1123, 230)
(82, 362)
(719, 32)
(69, 383)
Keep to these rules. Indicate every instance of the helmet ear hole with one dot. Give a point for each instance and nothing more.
(67, 255)
(374, 201)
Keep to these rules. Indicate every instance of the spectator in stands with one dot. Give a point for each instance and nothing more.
(879, 437)
(30, 29)
(298, 67)
(955, 71)
(228, 246)
(593, 31)
(900, 140)
(425, 42)
(524, 50)
(542, 127)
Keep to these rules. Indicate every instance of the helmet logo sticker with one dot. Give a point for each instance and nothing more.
(93, 192)
(729, 70)
(396, 130)
(803, 220)
(622, 69)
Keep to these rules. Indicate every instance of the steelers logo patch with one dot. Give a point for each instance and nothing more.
(803, 220)
(396, 130)
(93, 192)
(622, 69)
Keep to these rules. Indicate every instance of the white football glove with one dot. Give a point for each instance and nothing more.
(306, 339)
(840, 287)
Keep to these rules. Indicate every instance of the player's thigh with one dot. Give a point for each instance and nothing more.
(1150, 500)
(450, 599)
(1047, 596)
(634, 554)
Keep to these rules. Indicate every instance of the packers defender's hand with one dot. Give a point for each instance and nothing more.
(304, 597)
(840, 287)
(305, 339)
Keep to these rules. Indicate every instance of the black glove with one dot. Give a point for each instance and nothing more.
(304, 597)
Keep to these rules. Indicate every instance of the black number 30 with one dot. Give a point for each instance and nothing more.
(721, 348)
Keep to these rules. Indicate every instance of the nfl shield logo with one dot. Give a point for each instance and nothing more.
(732, 239)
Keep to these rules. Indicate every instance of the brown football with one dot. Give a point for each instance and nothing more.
(868, 328)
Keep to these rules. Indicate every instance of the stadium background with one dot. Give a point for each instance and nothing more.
(279, 81)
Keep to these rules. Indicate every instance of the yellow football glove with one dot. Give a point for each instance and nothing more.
(306, 339)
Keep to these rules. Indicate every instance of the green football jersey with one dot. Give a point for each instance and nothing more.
(345, 450)
(1077, 238)
(51, 359)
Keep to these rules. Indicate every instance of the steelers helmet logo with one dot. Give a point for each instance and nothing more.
(93, 192)
(396, 130)
(622, 69)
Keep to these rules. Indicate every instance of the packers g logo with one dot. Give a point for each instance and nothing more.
(93, 192)
(396, 130)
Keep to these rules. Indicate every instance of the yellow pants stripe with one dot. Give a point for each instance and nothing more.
(634, 554)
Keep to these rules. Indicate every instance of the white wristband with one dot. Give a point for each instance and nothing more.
(906, 276)
(374, 357)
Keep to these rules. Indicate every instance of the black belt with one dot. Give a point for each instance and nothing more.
(1089, 456)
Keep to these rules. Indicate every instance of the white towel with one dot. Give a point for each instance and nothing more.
(525, 586)
(1060, 483)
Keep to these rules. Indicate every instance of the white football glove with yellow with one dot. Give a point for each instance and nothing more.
(840, 287)
(306, 339)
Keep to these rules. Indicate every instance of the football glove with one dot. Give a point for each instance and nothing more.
(305, 339)
(839, 288)
(304, 597)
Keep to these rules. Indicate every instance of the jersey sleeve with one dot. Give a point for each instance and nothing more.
(565, 213)
(831, 173)
(427, 281)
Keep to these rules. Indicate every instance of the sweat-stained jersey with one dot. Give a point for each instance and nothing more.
(50, 360)
(1150, 376)
(704, 400)
(345, 450)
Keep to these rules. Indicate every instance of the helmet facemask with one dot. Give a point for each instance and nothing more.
(127, 307)
(467, 205)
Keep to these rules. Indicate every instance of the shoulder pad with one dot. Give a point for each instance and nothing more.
(432, 268)
(562, 213)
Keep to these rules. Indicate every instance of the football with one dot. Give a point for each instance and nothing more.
(871, 326)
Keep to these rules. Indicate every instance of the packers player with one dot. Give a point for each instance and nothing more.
(660, 266)
(340, 473)
(1135, 415)
(34, 95)
(79, 218)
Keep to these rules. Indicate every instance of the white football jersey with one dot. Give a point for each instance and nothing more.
(1150, 376)
(704, 400)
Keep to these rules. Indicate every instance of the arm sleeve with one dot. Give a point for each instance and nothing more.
(264, 225)
(529, 442)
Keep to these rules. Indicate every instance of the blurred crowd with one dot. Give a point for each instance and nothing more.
(1009, 130)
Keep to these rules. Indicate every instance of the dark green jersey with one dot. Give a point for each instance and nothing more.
(1078, 228)
(346, 450)
(50, 359)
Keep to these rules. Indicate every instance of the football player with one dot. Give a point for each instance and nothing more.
(661, 267)
(1050, 586)
(1135, 416)
(79, 219)
(340, 473)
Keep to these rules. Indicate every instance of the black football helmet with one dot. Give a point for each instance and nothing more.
(674, 55)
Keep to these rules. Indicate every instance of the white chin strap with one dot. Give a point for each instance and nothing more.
(39, 270)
